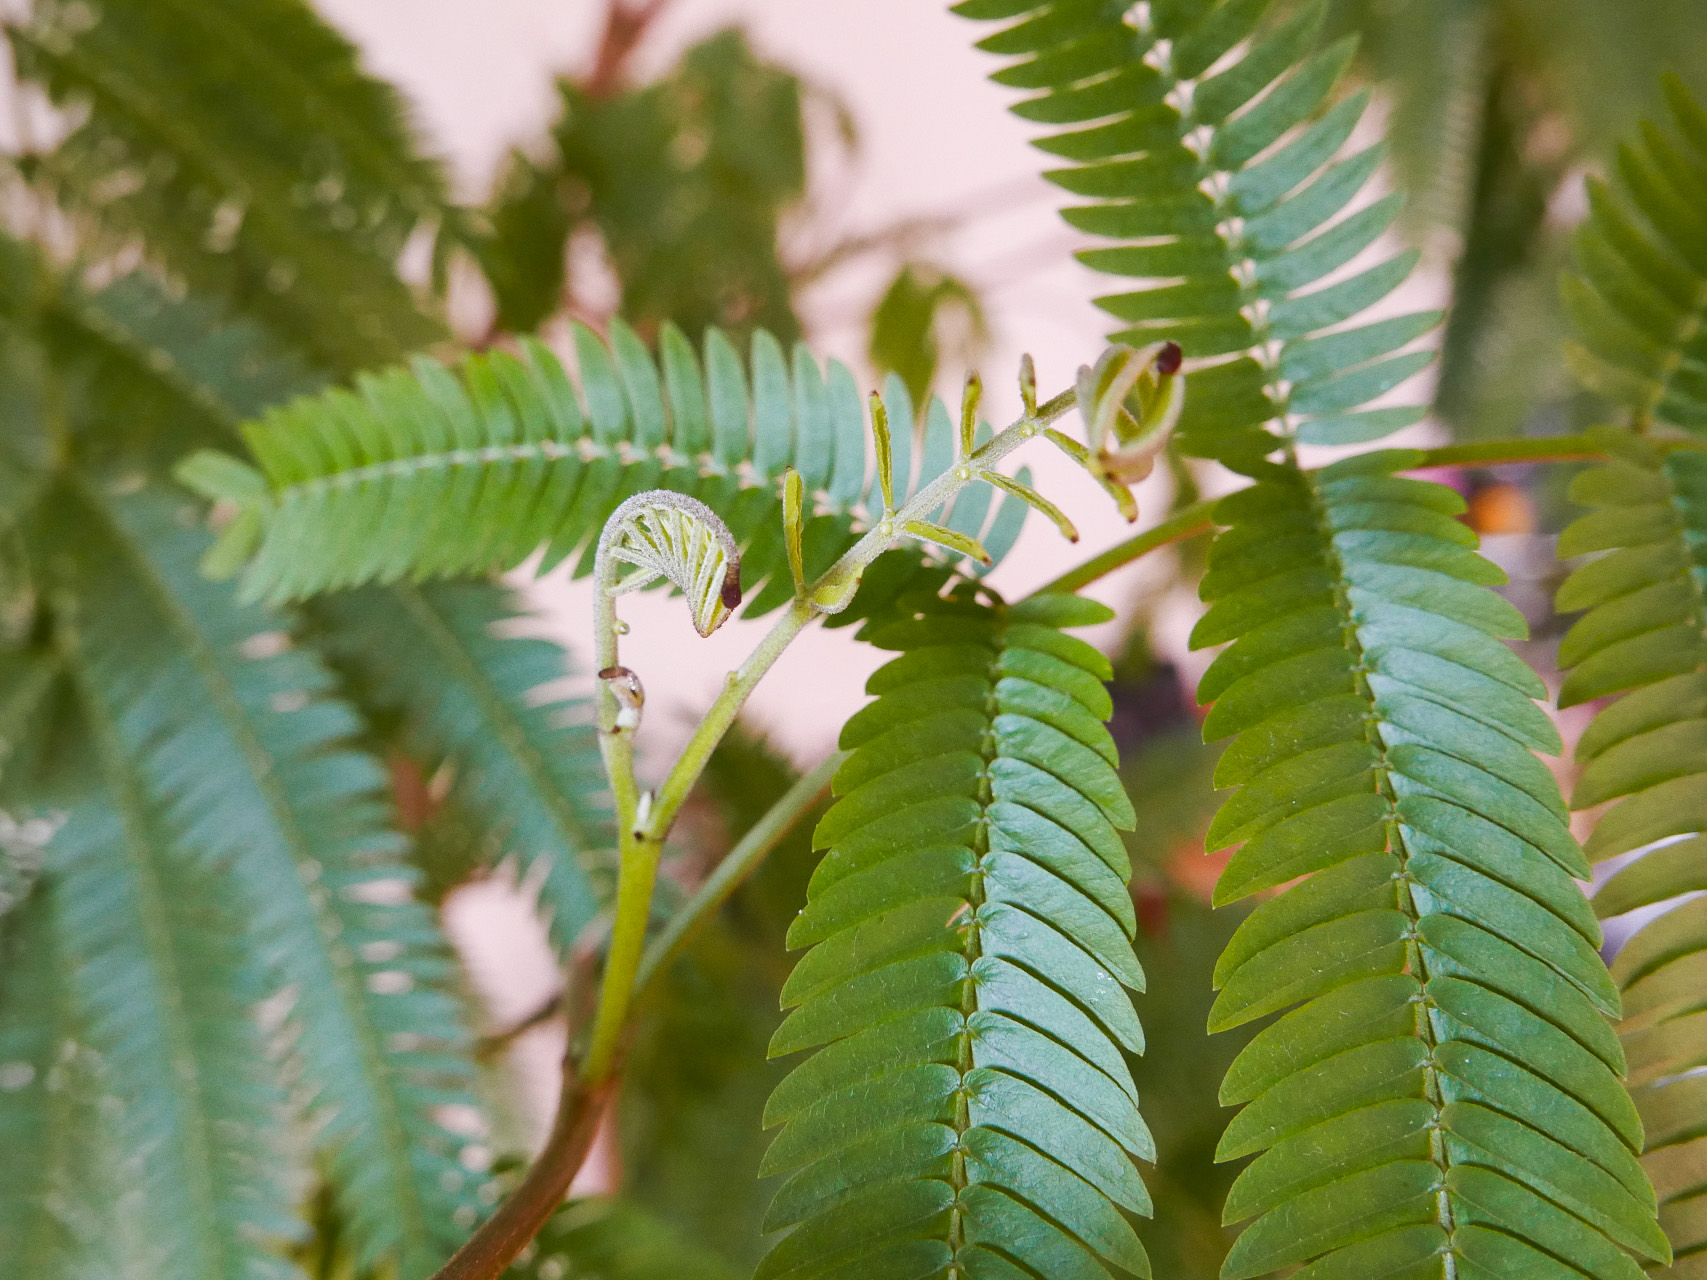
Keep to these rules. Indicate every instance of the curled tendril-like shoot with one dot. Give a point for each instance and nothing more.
(662, 534)
(1130, 400)
(653, 535)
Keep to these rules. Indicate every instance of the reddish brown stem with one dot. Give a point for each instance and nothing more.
(625, 27)
(519, 1219)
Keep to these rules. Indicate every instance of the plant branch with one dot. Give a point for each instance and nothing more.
(491, 1045)
(625, 26)
(1183, 525)
(747, 855)
(1493, 453)
(1195, 520)
(645, 820)
(519, 1219)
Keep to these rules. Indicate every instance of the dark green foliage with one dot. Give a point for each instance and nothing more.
(524, 776)
(455, 693)
(1443, 1083)
(1495, 280)
(969, 1102)
(1644, 637)
(1179, 936)
(359, 486)
(1636, 296)
(685, 180)
(1219, 181)
(248, 152)
(207, 757)
(224, 971)
(34, 1022)
(613, 1240)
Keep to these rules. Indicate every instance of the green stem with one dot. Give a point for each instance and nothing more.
(1494, 453)
(1192, 521)
(636, 876)
(642, 833)
(1184, 524)
(641, 847)
(752, 849)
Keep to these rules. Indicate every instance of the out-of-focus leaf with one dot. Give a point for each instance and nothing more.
(246, 149)
(615, 1240)
(684, 179)
(523, 776)
(923, 311)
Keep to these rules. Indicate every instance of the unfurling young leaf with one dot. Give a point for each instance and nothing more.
(969, 401)
(1032, 498)
(661, 534)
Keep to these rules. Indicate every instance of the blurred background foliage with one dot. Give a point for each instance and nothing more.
(212, 207)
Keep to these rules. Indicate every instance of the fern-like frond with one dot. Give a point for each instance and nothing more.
(425, 472)
(1638, 296)
(525, 782)
(235, 740)
(1196, 135)
(244, 147)
(1645, 637)
(614, 1240)
(162, 369)
(525, 777)
(969, 1104)
(1442, 1094)
(166, 992)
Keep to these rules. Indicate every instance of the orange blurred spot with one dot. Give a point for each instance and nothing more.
(1501, 508)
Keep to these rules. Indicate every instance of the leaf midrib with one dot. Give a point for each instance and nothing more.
(1416, 966)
